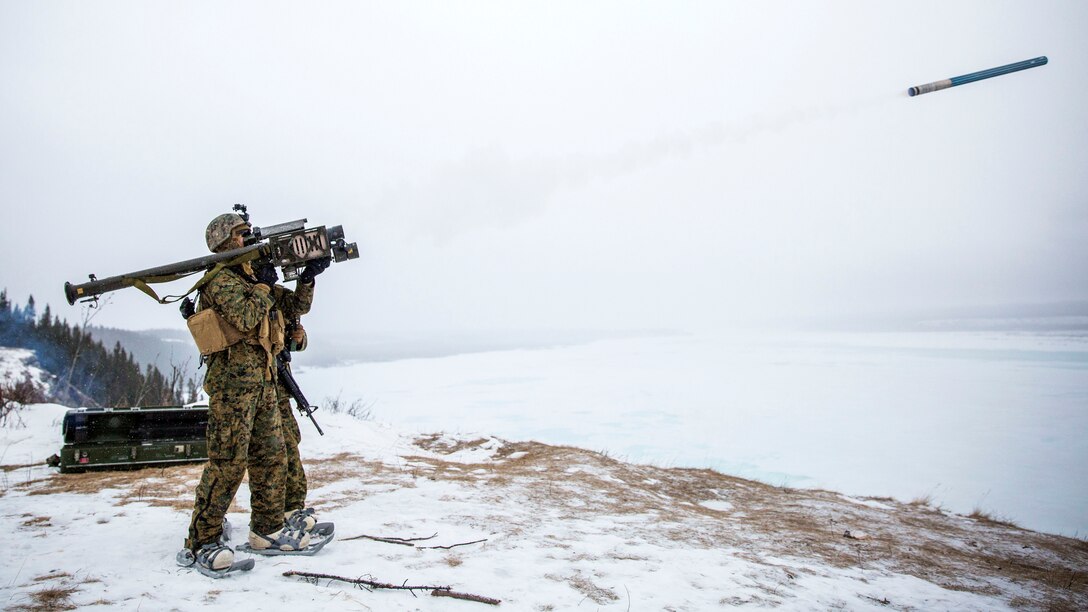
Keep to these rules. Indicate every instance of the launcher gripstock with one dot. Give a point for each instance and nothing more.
(286, 245)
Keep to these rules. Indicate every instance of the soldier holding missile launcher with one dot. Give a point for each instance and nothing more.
(239, 327)
(239, 332)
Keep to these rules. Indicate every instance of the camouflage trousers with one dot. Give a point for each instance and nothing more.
(244, 434)
(295, 493)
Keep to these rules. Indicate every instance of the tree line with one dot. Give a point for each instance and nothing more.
(88, 373)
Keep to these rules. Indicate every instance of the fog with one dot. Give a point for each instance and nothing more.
(555, 165)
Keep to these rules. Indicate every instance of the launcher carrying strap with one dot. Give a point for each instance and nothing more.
(143, 283)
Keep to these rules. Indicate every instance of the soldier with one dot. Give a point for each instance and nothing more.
(294, 304)
(240, 339)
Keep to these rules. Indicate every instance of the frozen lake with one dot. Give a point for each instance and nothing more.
(990, 421)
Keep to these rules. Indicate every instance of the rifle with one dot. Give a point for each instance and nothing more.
(288, 379)
(285, 245)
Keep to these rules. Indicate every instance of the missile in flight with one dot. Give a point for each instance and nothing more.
(918, 90)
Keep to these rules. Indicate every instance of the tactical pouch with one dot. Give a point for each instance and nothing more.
(276, 331)
(211, 332)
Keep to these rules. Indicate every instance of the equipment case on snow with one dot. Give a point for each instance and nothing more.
(96, 438)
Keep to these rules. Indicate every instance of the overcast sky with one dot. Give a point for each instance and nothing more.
(555, 165)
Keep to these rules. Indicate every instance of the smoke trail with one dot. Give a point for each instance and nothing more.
(489, 189)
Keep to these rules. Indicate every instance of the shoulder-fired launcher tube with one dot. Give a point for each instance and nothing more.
(287, 245)
(161, 273)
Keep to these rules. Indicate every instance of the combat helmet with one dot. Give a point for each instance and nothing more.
(219, 229)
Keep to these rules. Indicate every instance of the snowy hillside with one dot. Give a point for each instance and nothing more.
(538, 527)
(19, 363)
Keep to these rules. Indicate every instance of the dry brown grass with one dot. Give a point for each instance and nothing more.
(56, 576)
(36, 521)
(13, 468)
(346, 466)
(320, 472)
(584, 585)
(440, 444)
(174, 486)
(169, 487)
(914, 538)
(50, 598)
(922, 500)
(600, 595)
(985, 517)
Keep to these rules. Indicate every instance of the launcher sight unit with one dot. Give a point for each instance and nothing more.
(286, 245)
(290, 245)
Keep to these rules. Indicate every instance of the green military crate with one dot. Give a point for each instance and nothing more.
(98, 438)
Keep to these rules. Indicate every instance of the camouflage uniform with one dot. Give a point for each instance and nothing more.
(293, 304)
(244, 428)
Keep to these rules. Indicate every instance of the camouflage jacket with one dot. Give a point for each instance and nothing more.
(293, 304)
(243, 304)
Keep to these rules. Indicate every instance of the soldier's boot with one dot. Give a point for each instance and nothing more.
(215, 557)
(214, 560)
(302, 520)
(306, 520)
(284, 540)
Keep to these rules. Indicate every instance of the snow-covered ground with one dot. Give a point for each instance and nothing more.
(17, 363)
(991, 421)
(538, 527)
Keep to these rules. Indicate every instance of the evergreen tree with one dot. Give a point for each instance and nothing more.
(5, 318)
(29, 313)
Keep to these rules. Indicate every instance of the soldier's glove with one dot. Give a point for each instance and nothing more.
(188, 309)
(313, 268)
(266, 274)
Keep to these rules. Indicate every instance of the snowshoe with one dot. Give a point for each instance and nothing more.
(213, 560)
(286, 541)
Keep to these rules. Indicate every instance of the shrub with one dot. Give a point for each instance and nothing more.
(15, 395)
